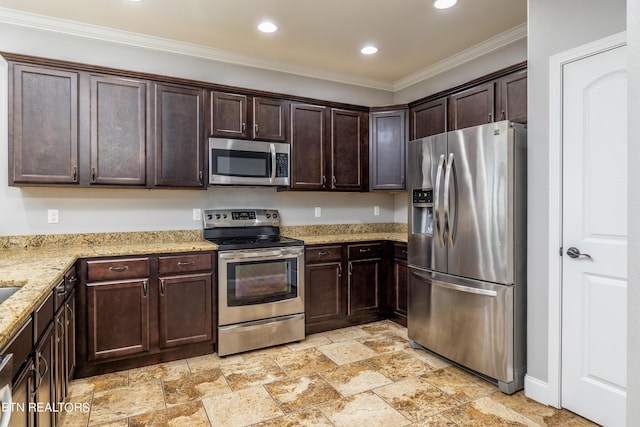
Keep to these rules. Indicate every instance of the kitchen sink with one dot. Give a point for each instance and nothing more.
(5, 293)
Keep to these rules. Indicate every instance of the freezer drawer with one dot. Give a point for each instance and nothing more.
(466, 321)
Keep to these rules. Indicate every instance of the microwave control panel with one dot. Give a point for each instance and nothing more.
(282, 165)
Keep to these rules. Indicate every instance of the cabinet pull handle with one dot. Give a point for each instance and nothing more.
(503, 115)
(350, 268)
(46, 368)
(61, 324)
(185, 263)
(244, 127)
(324, 181)
(489, 119)
(340, 270)
(38, 381)
(335, 181)
(145, 286)
(323, 253)
(201, 178)
(404, 251)
(119, 269)
(365, 250)
(75, 174)
(256, 128)
(162, 287)
(70, 311)
(93, 175)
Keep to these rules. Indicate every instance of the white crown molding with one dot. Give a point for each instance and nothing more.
(77, 29)
(487, 46)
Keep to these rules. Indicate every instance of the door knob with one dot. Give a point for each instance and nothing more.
(575, 253)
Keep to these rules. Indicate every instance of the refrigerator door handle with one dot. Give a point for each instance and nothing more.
(448, 218)
(436, 200)
(476, 291)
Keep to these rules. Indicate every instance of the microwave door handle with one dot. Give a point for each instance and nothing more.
(272, 150)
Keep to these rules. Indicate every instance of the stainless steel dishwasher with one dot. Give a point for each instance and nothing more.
(6, 371)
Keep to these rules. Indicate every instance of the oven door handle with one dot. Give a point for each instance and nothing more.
(241, 256)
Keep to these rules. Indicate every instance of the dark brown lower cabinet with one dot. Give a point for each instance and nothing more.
(45, 365)
(343, 286)
(185, 309)
(136, 311)
(399, 295)
(23, 396)
(118, 318)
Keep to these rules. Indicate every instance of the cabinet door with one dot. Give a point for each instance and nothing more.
(118, 131)
(43, 107)
(185, 309)
(323, 292)
(364, 287)
(269, 119)
(179, 136)
(513, 97)
(429, 118)
(349, 154)
(229, 115)
(118, 318)
(70, 335)
(387, 150)
(22, 394)
(400, 277)
(45, 392)
(308, 147)
(472, 107)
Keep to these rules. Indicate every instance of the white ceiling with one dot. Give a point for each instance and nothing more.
(315, 37)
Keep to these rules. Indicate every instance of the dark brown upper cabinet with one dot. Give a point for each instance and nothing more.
(270, 119)
(179, 136)
(43, 125)
(338, 162)
(349, 150)
(429, 118)
(472, 107)
(388, 139)
(247, 117)
(118, 131)
(513, 97)
(308, 147)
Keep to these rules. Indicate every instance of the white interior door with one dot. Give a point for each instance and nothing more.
(594, 224)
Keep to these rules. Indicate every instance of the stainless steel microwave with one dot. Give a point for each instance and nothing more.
(238, 162)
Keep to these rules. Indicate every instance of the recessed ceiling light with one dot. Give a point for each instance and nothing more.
(368, 50)
(268, 27)
(444, 4)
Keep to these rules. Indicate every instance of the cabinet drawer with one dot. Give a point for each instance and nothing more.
(323, 254)
(400, 250)
(364, 251)
(20, 346)
(114, 269)
(185, 263)
(42, 316)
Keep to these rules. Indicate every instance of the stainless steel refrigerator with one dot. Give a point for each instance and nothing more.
(467, 249)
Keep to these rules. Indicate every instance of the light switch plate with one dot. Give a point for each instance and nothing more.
(376, 211)
(52, 216)
(317, 211)
(197, 214)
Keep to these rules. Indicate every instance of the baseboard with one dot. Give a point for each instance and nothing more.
(536, 389)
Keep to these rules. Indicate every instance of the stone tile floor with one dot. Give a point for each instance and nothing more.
(359, 376)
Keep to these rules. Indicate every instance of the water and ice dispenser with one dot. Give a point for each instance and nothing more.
(422, 211)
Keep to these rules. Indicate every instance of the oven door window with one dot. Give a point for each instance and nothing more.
(259, 282)
(241, 163)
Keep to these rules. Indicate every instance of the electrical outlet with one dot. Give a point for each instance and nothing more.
(317, 212)
(197, 214)
(376, 211)
(52, 216)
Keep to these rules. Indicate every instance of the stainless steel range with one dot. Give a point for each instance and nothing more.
(260, 280)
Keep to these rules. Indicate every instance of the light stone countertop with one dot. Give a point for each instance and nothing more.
(38, 263)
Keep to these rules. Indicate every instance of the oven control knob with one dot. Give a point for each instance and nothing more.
(275, 216)
(217, 216)
(209, 216)
(268, 215)
(224, 216)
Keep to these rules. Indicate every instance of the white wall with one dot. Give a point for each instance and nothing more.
(554, 27)
(633, 355)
